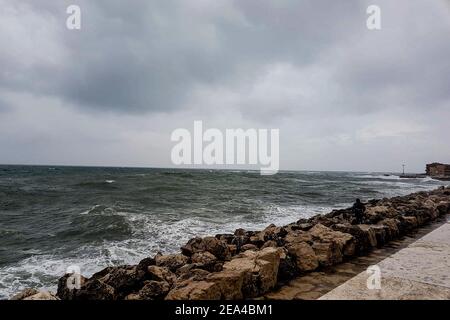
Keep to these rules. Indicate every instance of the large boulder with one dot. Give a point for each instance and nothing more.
(377, 213)
(159, 274)
(153, 290)
(288, 267)
(24, 294)
(304, 256)
(171, 261)
(218, 248)
(34, 294)
(205, 260)
(95, 289)
(345, 242)
(195, 290)
(298, 236)
(229, 283)
(392, 225)
(66, 286)
(111, 283)
(364, 236)
(258, 269)
(42, 295)
(271, 233)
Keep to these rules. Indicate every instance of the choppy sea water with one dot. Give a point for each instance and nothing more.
(55, 217)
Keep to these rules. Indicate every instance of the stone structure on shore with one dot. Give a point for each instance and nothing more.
(438, 170)
(248, 264)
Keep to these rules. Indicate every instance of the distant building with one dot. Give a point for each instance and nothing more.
(438, 170)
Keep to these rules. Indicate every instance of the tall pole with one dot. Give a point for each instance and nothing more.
(403, 169)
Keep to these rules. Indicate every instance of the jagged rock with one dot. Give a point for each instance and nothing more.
(406, 223)
(305, 226)
(124, 279)
(327, 253)
(204, 260)
(145, 263)
(94, 289)
(171, 261)
(381, 234)
(376, 213)
(443, 207)
(364, 235)
(154, 290)
(257, 240)
(232, 248)
(66, 286)
(108, 284)
(24, 294)
(272, 232)
(392, 225)
(304, 255)
(161, 274)
(259, 270)
(190, 271)
(133, 296)
(42, 295)
(297, 237)
(288, 267)
(226, 237)
(270, 243)
(345, 242)
(229, 283)
(217, 247)
(195, 290)
(249, 246)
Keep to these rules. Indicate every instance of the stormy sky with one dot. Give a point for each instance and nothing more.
(344, 97)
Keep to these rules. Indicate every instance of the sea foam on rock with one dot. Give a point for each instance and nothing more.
(248, 264)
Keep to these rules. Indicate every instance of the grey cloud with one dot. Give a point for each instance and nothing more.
(147, 56)
(310, 68)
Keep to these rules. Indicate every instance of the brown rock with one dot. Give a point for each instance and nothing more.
(42, 295)
(229, 283)
(249, 246)
(345, 242)
(66, 286)
(327, 253)
(195, 290)
(191, 272)
(95, 289)
(24, 294)
(154, 290)
(217, 247)
(161, 274)
(298, 236)
(270, 244)
(304, 255)
(171, 261)
(259, 270)
(204, 260)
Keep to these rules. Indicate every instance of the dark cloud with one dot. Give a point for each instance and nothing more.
(147, 56)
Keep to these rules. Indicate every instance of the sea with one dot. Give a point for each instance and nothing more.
(55, 218)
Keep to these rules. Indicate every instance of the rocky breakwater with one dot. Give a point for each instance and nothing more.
(247, 264)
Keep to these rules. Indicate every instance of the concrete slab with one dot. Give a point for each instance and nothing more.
(419, 271)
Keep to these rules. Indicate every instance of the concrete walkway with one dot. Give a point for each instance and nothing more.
(420, 271)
